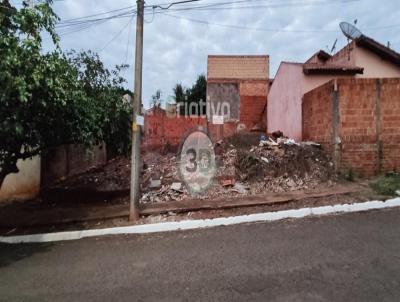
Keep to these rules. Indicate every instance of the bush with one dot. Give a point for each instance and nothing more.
(387, 185)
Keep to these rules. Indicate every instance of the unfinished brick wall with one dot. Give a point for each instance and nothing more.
(161, 130)
(390, 124)
(317, 115)
(253, 101)
(363, 125)
(357, 127)
(247, 100)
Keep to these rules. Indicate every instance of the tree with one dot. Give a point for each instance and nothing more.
(51, 99)
(195, 95)
(156, 99)
(104, 87)
(180, 97)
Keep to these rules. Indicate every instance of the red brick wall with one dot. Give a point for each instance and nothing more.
(216, 134)
(253, 101)
(160, 130)
(317, 114)
(357, 125)
(369, 123)
(390, 124)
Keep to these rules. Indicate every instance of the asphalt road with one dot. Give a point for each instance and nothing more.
(352, 257)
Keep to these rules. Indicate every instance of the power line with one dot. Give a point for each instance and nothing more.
(300, 3)
(98, 14)
(86, 21)
(115, 37)
(129, 39)
(245, 27)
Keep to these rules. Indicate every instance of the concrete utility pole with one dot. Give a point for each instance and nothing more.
(137, 105)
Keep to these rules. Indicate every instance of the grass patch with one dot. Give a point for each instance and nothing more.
(387, 185)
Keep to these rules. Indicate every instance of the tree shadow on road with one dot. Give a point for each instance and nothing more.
(10, 253)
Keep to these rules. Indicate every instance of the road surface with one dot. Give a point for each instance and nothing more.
(352, 257)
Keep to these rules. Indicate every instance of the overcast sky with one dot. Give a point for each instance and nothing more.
(176, 48)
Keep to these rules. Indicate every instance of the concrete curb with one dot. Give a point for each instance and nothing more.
(203, 223)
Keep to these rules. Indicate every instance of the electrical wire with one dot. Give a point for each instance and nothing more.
(245, 27)
(129, 40)
(115, 37)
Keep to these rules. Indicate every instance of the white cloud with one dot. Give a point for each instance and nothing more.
(175, 50)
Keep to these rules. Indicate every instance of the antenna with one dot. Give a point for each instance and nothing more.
(350, 31)
(334, 46)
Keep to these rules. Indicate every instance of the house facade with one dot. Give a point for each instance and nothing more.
(362, 58)
(237, 87)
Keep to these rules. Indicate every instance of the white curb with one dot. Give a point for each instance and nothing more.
(203, 223)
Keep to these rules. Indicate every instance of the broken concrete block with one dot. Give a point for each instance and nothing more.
(155, 183)
(176, 186)
(228, 182)
(240, 188)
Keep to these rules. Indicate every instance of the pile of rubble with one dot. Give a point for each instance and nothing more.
(160, 179)
(247, 163)
(276, 164)
(284, 165)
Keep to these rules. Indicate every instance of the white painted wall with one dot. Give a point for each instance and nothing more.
(22, 185)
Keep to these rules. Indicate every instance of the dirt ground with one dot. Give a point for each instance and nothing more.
(100, 216)
(246, 168)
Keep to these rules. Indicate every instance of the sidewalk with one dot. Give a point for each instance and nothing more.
(22, 216)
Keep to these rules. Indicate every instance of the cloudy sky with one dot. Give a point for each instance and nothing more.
(177, 41)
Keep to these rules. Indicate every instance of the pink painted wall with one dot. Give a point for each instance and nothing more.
(285, 98)
(374, 66)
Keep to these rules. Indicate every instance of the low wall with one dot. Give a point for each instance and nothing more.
(22, 185)
(68, 160)
(358, 121)
(161, 130)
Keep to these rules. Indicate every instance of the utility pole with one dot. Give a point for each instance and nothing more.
(137, 107)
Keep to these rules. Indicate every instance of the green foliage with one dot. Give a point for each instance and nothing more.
(179, 93)
(156, 99)
(51, 99)
(195, 95)
(104, 88)
(349, 175)
(387, 185)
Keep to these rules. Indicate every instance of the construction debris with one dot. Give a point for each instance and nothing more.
(177, 186)
(228, 182)
(276, 164)
(247, 164)
(155, 183)
(240, 188)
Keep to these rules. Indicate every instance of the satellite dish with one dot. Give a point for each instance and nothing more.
(350, 31)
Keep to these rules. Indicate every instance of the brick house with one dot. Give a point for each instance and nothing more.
(362, 58)
(240, 83)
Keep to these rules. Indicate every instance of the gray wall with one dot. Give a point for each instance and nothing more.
(68, 160)
(227, 93)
